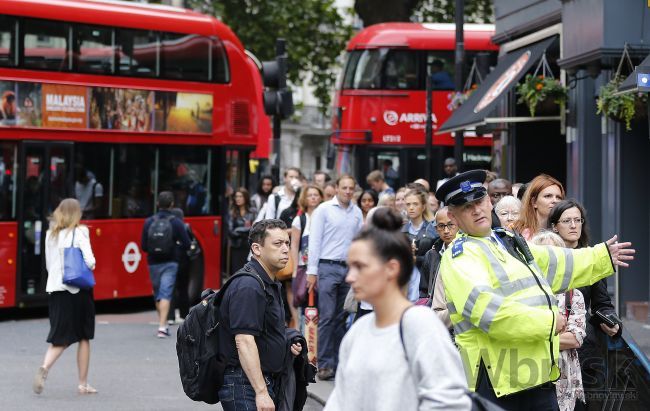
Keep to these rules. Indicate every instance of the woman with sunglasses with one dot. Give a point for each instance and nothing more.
(568, 219)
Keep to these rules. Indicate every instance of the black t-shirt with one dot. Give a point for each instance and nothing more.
(248, 309)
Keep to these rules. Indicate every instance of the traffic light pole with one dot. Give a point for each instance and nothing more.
(280, 53)
(458, 77)
(428, 133)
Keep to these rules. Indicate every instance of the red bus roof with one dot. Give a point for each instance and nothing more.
(423, 36)
(122, 14)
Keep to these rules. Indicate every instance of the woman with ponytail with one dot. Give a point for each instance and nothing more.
(408, 346)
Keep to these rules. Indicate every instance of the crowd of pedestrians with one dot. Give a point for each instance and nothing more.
(497, 272)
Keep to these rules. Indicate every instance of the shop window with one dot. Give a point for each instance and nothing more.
(46, 45)
(134, 168)
(186, 172)
(7, 186)
(94, 51)
(92, 181)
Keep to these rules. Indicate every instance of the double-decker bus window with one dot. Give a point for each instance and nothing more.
(94, 49)
(441, 66)
(219, 58)
(7, 30)
(137, 52)
(135, 166)
(92, 182)
(368, 70)
(185, 172)
(7, 186)
(400, 70)
(350, 67)
(46, 45)
(185, 56)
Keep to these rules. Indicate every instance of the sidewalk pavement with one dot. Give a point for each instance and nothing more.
(321, 390)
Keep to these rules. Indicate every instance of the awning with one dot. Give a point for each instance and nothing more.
(630, 85)
(478, 107)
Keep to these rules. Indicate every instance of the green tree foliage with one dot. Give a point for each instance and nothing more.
(435, 11)
(442, 11)
(314, 30)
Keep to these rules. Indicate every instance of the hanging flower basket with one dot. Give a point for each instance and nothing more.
(535, 90)
(621, 107)
(456, 99)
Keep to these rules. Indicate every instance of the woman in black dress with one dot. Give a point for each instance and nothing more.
(71, 310)
(240, 221)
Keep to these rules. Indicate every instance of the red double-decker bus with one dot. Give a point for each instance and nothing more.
(112, 102)
(380, 103)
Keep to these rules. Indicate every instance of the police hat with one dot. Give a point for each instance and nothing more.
(463, 188)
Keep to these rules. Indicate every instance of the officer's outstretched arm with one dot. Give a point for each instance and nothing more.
(566, 268)
(475, 301)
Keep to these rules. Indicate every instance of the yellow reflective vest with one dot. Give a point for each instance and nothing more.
(503, 310)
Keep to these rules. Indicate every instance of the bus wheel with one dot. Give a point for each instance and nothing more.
(195, 283)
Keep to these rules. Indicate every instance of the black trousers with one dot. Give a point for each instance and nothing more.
(542, 398)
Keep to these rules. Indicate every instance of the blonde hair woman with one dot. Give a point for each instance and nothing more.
(71, 310)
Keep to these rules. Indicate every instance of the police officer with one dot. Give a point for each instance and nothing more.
(500, 294)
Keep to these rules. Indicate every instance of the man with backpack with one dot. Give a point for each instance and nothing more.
(252, 328)
(162, 235)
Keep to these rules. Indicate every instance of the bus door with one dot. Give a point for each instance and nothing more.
(45, 179)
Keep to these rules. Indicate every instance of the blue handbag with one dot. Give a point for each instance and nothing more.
(75, 270)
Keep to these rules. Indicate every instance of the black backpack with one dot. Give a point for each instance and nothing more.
(160, 236)
(200, 364)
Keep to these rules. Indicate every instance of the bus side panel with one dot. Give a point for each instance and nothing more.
(121, 269)
(8, 252)
(207, 231)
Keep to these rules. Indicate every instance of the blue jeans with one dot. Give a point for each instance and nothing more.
(163, 279)
(237, 393)
(332, 290)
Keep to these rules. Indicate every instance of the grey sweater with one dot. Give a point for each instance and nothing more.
(374, 374)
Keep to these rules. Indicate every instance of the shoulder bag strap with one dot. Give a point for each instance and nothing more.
(401, 335)
(73, 231)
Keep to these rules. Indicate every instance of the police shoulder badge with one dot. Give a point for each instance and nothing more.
(457, 248)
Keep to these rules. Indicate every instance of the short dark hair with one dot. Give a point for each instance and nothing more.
(560, 208)
(165, 200)
(296, 169)
(321, 172)
(259, 231)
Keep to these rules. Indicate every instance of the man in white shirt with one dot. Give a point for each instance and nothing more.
(89, 192)
(286, 194)
(334, 224)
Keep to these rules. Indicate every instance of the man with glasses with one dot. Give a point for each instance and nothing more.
(435, 290)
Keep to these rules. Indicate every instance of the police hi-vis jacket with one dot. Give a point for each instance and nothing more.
(503, 309)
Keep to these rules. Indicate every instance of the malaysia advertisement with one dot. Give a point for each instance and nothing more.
(48, 105)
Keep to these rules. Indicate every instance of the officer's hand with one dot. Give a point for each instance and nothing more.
(312, 280)
(296, 349)
(263, 402)
(620, 252)
(611, 331)
(560, 324)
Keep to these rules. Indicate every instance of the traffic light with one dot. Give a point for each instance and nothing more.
(278, 99)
